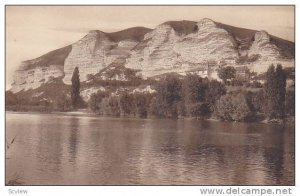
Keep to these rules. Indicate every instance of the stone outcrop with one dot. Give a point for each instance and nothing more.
(33, 73)
(94, 52)
(264, 47)
(166, 50)
(33, 78)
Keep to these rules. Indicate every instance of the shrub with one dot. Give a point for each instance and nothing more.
(63, 104)
(227, 73)
(233, 107)
(198, 110)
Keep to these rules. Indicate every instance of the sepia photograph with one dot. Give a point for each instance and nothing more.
(149, 95)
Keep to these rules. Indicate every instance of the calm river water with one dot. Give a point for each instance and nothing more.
(57, 149)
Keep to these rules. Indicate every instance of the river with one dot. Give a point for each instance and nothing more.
(60, 149)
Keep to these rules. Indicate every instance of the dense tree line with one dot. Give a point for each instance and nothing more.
(193, 96)
(124, 104)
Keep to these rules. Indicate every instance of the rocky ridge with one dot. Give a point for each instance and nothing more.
(174, 46)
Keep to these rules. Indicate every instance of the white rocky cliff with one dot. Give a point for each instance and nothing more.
(93, 53)
(166, 50)
(25, 79)
(174, 46)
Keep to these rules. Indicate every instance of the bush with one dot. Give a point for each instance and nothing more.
(256, 101)
(233, 107)
(198, 110)
(63, 103)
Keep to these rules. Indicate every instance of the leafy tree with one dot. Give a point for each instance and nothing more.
(142, 103)
(290, 72)
(104, 107)
(168, 95)
(127, 105)
(10, 98)
(93, 103)
(181, 110)
(194, 89)
(213, 93)
(155, 108)
(290, 103)
(113, 106)
(226, 73)
(75, 92)
(110, 106)
(63, 103)
(95, 100)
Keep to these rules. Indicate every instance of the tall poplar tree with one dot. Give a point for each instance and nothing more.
(275, 89)
(75, 91)
(270, 92)
(281, 91)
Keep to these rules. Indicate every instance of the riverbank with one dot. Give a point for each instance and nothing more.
(290, 120)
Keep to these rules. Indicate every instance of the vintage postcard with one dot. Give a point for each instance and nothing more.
(150, 95)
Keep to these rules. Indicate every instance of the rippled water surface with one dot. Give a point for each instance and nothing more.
(56, 149)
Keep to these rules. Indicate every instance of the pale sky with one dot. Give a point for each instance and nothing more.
(32, 31)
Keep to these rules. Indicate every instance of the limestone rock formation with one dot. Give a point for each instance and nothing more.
(33, 73)
(174, 46)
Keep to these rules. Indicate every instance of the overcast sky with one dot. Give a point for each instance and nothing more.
(32, 31)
